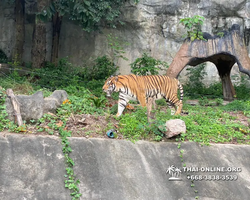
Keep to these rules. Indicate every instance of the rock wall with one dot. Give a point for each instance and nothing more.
(150, 26)
(33, 168)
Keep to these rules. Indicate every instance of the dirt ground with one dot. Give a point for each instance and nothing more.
(90, 126)
(95, 126)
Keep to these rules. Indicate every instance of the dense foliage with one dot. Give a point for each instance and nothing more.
(89, 14)
(147, 65)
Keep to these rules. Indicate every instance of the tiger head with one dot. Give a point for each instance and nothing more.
(110, 85)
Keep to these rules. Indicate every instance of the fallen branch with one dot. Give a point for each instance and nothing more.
(16, 107)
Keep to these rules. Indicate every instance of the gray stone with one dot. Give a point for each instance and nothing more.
(33, 167)
(31, 106)
(52, 102)
(175, 127)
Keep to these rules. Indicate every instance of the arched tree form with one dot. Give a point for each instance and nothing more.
(223, 50)
(89, 14)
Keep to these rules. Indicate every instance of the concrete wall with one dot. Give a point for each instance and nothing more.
(32, 168)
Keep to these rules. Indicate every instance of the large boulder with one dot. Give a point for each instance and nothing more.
(52, 102)
(31, 106)
(175, 127)
(34, 106)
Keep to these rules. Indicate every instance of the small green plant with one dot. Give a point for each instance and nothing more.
(203, 101)
(98, 102)
(193, 27)
(194, 86)
(242, 89)
(220, 34)
(100, 69)
(3, 113)
(219, 101)
(147, 65)
(114, 109)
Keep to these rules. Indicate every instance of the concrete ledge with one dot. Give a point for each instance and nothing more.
(32, 167)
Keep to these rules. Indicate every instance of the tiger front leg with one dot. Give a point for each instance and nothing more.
(122, 103)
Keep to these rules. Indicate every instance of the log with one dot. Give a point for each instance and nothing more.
(16, 107)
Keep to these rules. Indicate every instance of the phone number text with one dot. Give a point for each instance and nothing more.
(213, 177)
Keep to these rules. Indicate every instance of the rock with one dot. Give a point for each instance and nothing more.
(31, 106)
(34, 106)
(52, 102)
(192, 102)
(175, 127)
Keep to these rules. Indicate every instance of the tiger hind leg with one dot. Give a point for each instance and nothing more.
(172, 107)
(150, 103)
(178, 108)
(175, 108)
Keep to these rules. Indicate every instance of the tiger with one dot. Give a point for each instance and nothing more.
(145, 89)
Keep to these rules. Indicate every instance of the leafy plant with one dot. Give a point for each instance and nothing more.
(98, 102)
(242, 89)
(219, 101)
(220, 34)
(147, 65)
(194, 84)
(57, 77)
(103, 67)
(193, 27)
(3, 114)
(203, 101)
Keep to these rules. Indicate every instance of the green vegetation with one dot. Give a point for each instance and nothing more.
(220, 34)
(147, 65)
(193, 27)
(71, 183)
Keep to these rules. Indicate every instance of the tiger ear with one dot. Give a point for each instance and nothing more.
(116, 78)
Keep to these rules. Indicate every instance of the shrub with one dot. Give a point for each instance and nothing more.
(193, 27)
(147, 65)
(102, 68)
(56, 77)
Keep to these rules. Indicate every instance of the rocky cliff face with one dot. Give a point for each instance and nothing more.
(153, 26)
(150, 26)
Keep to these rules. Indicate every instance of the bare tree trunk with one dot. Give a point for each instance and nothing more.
(57, 21)
(38, 52)
(20, 30)
(224, 69)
